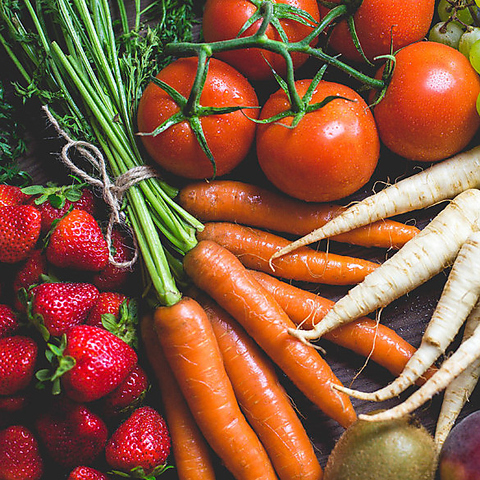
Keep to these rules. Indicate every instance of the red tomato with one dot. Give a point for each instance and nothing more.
(223, 19)
(429, 110)
(330, 154)
(375, 23)
(229, 136)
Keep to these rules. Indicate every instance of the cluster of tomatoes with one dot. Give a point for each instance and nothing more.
(315, 138)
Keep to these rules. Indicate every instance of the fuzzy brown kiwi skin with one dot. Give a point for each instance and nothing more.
(400, 450)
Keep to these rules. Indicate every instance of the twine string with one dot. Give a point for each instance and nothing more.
(112, 192)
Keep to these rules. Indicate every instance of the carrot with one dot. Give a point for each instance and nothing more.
(459, 296)
(441, 181)
(219, 273)
(192, 455)
(427, 254)
(255, 247)
(466, 354)
(262, 398)
(238, 202)
(363, 336)
(460, 389)
(191, 349)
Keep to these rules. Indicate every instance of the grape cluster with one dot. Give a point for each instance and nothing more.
(459, 27)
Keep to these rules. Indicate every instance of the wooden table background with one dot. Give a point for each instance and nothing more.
(408, 315)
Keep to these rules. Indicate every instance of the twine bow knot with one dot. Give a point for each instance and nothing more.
(112, 192)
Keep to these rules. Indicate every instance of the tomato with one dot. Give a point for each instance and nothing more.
(330, 154)
(229, 136)
(429, 109)
(223, 19)
(375, 23)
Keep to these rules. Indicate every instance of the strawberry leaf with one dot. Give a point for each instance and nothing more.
(60, 364)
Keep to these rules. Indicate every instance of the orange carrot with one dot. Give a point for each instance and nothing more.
(237, 202)
(191, 452)
(255, 247)
(219, 273)
(363, 336)
(262, 398)
(191, 349)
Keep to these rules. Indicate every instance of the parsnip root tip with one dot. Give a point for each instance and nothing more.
(357, 393)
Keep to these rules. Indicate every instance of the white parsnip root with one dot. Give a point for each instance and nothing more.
(427, 254)
(439, 182)
(460, 389)
(459, 296)
(467, 353)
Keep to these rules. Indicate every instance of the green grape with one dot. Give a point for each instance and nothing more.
(446, 33)
(446, 10)
(478, 104)
(468, 39)
(474, 56)
(477, 2)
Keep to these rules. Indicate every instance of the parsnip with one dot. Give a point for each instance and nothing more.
(441, 181)
(459, 296)
(460, 389)
(465, 355)
(427, 254)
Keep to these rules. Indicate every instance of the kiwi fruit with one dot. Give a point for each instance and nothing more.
(399, 449)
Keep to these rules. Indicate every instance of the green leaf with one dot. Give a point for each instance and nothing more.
(56, 201)
(33, 190)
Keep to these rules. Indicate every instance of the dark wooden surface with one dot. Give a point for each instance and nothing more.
(408, 315)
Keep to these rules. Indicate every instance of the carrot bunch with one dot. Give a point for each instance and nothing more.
(216, 352)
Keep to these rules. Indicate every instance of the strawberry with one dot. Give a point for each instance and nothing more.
(55, 202)
(86, 473)
(107, 303)
(127, 395)
(14, 403)
(20, 457)
(115, 278)
(142, 443)
(71, 433)
(29, 274)
(19, 232)
(92, 363)
(12, 195)
(9, 322)
(14, 408)
(57, 307)
(18, 356)
(78, 242)
(116, 313)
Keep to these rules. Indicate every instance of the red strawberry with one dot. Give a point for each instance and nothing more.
(128, 394)
(116, 313)
(14, 403)
(8, 321)
(113, 277)
(61, 200)
(78, 242)
(18, 356)
(19, 232)
(72, 434)
(13, 408)
(86, 473)
(61, 306)
(11, 195)
(102, 362)
(107, 303)
(19, 454)
(29, 274)
(141, 442)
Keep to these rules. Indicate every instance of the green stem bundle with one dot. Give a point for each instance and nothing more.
(90, 77)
